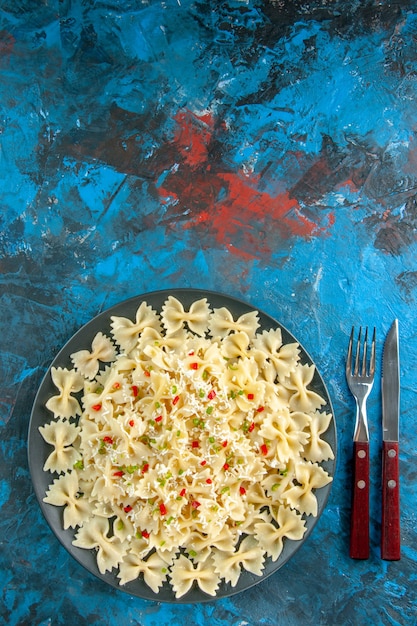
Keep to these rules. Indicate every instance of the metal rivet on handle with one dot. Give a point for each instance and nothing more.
(361, 454)
(392, 484)
(392, 453)
(361, 484)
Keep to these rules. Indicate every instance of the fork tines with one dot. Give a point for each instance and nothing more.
(354, 365)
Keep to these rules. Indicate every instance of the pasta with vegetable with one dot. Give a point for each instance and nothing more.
(186, 446)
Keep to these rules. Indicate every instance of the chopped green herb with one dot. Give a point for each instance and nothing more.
(102, 448)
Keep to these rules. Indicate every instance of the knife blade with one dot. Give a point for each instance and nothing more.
(390, 385)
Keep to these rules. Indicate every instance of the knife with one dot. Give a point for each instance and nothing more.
(390, 527)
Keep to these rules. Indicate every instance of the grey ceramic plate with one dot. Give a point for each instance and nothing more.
(38, 449)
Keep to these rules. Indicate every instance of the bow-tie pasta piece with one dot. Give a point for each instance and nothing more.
(240, 375)
(236, 345)
(175, 317)
(88, 363)
(248, 555)
(317, 449)
(286, 432)
(126, 333)
(67, 382)
(270, 537)
(303, 398)
(66, 491)
(309, 476)
(283, 357)
(94, 534)
(173, 343)
(222, 323)
(154, 568)
(277, 481)
(199, 544)
(61, 435)
(184, 574)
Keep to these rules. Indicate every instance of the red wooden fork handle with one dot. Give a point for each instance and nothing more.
(359, 528)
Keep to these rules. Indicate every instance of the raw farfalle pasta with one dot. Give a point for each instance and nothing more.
(222, 323)
(61, 435)
(184, 573)
(303, 398)
(67, 382)
(174, 317)
(300, 496)
(94, 534)
(88, 363)
(65, 491)
(278, 358)
(271, 537)
(126, 332)
(248, 555)
(190, 453)
(153, 568)
(316, 449)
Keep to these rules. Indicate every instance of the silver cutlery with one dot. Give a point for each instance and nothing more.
(360, 379)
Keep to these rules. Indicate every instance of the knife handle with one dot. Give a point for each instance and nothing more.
(359, 527)
(390, 528)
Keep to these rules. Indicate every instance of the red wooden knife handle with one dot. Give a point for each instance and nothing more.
(359, 527)
(390, 528)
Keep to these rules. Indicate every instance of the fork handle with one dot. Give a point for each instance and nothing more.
(390, 527)
(359, 528)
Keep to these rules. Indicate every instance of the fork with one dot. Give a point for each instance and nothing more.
(360, 378)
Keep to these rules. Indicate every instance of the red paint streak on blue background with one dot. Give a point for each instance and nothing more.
(228, 204)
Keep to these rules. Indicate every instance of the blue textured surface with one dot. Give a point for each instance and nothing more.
(263, 149)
